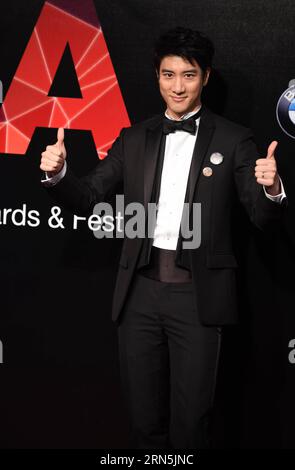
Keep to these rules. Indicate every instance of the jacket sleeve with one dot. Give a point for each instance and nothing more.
(79, 195)
(264, 213)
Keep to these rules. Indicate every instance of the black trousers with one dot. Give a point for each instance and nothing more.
(168, 366)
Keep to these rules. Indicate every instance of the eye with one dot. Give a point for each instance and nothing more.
(189, 75)
(167, 74)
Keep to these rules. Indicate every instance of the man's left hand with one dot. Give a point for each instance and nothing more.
(266, 171)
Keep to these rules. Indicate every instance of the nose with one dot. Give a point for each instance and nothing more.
(178, 86)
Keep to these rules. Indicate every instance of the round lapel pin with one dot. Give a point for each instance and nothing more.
(207, 171)
(216, 158)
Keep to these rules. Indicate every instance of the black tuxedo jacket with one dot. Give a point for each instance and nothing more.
(133, 158)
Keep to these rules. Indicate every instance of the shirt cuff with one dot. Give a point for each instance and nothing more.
(278, 197)
(52, 181)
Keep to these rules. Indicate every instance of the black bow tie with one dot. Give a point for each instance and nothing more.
(187, 125)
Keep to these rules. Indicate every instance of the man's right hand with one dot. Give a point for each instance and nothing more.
(54, 156)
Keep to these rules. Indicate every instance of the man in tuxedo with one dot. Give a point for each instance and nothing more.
(171, 300)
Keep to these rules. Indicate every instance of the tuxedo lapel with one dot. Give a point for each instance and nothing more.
(151, 154)
(205, 134)
(204, 137)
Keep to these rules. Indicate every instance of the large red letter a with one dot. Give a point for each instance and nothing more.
(27, 104)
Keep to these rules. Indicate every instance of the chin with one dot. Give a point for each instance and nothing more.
(180, 111)
(180, 108)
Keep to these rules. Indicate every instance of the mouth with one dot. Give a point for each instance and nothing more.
(177, 99)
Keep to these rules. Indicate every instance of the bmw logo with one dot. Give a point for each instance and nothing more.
(286, 110)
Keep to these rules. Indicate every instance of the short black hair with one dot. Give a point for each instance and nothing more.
(186, 43)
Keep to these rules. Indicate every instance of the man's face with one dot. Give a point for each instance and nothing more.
(181, 84)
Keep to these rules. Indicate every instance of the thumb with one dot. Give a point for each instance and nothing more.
(60, 136)
(271, 149)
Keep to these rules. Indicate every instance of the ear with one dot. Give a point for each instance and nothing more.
(206, 76)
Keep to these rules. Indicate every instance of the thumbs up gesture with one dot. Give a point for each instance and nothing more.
(54, 156)
(266, 171)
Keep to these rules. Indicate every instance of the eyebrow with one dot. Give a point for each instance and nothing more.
(185, 71)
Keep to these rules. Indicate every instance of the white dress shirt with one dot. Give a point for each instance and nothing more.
(177, 161)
